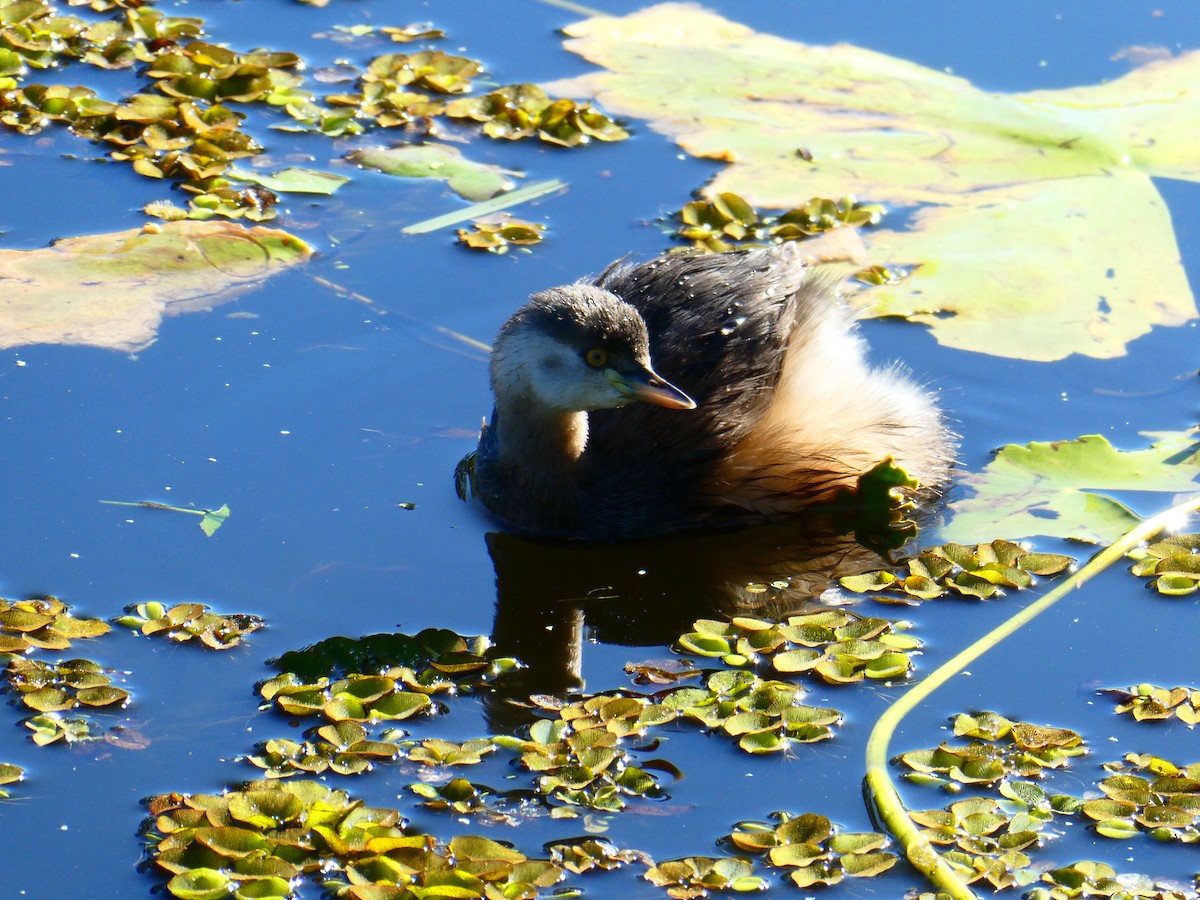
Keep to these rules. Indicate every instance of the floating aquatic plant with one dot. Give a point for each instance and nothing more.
(259, 839)
(998, 748)
(502, 234)
(764, 716)
(9, 774)
(1148, 795)
(579, 761)
(1087, 878)
(343, 748)
(210, 519)
(983, 571)
(586, 854)
(1173, 562)
(43, 623)
(52, 728)
(728, 221)
(837, 646)
(526, 110)
(67, 685)
(699, 876)
(1068, 488)
(1146, 702)
(187, 126)
(435, 656)
(185, 621)
(811, 849)
(436, 752)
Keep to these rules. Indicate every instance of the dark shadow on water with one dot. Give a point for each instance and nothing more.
(650, 592)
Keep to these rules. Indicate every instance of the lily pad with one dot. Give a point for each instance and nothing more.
(113, 290)
(1058, 489)
(469, 179)
(292, 180)
(1012, 192)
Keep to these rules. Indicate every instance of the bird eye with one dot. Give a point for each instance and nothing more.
(596, 357)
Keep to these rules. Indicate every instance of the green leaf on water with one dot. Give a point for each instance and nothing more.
(1059, 488)
(469, 179)
(210, 519)
(991, 176)
(112, 290)
(292, 180)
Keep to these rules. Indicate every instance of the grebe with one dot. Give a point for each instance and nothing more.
(769, 410)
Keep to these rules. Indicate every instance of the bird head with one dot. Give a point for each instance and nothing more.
(577, 348)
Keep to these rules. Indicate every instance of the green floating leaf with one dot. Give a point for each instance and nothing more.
(438, 662)
(43, 623)
(1175, 560)
(499, 236)
(112, 290)
(593, 853)
(697, 876)
(1149, 795)
(272, 834)
(1057, 489)
(982, 571)
(185, 621)
(292, 180)
(343, 747)
(835, 645)
(729, 221)
(1146, 702)
(210, 519)
(9, 774)
(525, 110)
(51, 728)
(999, 748)
(437, 655)
(471, 180)
(725, 92)
(47, 688)
(812, 850)
(1088, 878)
(200, 884)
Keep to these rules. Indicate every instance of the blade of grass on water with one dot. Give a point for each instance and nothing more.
(504, 201)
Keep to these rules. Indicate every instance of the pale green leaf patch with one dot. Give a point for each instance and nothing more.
(291, 180)
(469, 179)
(1061, 488)
(987, 241)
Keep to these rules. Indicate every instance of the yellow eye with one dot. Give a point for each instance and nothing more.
(596, 357)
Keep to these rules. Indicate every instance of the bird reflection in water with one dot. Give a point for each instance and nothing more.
(554, 597)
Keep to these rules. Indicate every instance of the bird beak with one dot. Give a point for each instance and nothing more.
(647, 386)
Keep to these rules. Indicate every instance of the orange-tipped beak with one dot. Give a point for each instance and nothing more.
(648, 387)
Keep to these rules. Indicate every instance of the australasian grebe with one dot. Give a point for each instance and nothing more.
(776, 408)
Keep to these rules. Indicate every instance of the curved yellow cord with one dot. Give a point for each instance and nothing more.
(879, 787)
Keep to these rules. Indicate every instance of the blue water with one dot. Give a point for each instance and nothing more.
(315, 417)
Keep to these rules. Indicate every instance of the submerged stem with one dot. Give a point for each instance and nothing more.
(879, 787)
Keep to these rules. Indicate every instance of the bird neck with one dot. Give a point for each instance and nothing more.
(530, 434)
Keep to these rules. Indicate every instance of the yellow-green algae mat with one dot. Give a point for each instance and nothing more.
(1014, 194)
(112, 290)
